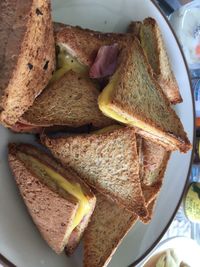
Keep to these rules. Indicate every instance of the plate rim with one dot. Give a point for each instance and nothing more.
(148, 251)
(145, 254)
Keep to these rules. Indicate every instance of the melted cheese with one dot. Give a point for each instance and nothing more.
(73, 189)
(104, 102)
(107, 129)
(67, 62)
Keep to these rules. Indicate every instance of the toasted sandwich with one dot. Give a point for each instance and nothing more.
(70, 100)
(106, 160)
(152, 42)
(135, 98)
(27, 57)
(153, 161)
(59, 202)
(75, 40)
(109, 225)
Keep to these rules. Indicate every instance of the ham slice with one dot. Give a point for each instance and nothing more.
(21, 127)
(106, 61)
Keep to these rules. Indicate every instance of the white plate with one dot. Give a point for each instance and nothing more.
(20, 241)
(186, 249)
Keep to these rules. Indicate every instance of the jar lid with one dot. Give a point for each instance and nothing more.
(192, 202)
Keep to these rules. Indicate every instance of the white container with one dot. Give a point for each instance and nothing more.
(186, 23)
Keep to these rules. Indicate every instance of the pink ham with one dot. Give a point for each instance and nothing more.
(21, 127)
(106, 61)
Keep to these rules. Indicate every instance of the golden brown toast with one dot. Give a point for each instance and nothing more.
(27, 57)
(152, 42)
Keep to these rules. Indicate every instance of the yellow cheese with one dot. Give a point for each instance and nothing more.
(73, 189)
(107, 129)
(104, 101)
(65, 63)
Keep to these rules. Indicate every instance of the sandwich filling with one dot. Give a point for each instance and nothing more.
(104, 101)
(107, 129)
(46, 172)
(105, 105)
(66, 62)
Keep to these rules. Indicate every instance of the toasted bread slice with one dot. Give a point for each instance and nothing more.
(150, 209)
(108, 226)
(27, 55)
(45, 197)
(106, 161)
(69, 101)
(134, 97)
(152, 42)
(154, 164)
(75, 40)
(134, 28)
(153, 161)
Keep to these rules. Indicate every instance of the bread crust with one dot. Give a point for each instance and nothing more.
(150, 37)
(18, 168)
(174, 137)
(60, 209)
(70, 101)
(76, 38)
(115, 219)
(29, 55)
(62, 148)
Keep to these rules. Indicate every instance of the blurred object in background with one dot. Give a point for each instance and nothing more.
(186, 23)
(192, 202)
(196, 91)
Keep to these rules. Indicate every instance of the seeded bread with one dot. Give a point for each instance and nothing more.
(108, 162)
(141, 101)
(27, 56)
(69, 101)
(44, 198)
(75, 40)
(152, 42)
(108, 226)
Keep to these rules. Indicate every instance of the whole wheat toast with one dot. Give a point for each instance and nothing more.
(142, 103)
(27, 57)
(107, 161)
(108, 226)
(70, 101)
(75, 40)
(44, 198)
(152, 42)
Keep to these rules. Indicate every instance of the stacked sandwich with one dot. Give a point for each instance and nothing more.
(111, 94)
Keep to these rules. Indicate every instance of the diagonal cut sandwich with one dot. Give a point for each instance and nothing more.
(70, 100)
(59, 202)
(150, 37)
(109, 225)
(135, 98)
(75, 41)
(153, 161)
(106, 160)
(27, 57)
(83, 44)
